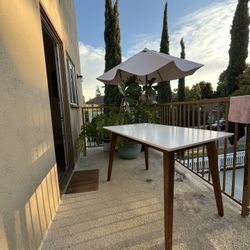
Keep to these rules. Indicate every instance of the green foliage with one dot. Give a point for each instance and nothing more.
(137, 104)
(108, 35)
(175, 95)
(194, 93)
(81, 142)
(183, 55)
(117, 37)
(181, 90)
(206, 90)
(164, 88)
(164, 46)
(244, 90)
(130, 92)
(238, 51)
(112, 48)
(222, 85)
(164, 92)
(243, 83)
(201, 90)
(93, 130)
(244, 78)
(181, 83)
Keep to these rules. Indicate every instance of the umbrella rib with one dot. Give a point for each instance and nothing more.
(120, 73)
(159, 75)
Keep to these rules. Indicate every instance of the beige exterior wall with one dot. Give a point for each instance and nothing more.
(29, 192)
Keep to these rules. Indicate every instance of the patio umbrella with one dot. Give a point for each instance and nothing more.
(149, 64)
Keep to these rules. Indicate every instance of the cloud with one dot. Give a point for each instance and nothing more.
(206, 34)
(142, 41)
(92, 66)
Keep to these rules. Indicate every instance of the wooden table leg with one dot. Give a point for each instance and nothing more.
(146, 155)
(111, 154)
(168, 175)
(213, 167)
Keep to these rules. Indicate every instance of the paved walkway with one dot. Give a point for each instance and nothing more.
(127, 213)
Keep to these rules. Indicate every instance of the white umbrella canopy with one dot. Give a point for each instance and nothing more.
(149, 64)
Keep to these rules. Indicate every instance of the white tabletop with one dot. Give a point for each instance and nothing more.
(169, 138)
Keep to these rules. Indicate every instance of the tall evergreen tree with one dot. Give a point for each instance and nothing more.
(112, 47)
(164, 88)
(239, 45)
(164, 46)
(206, 90)
(108, 33)
(181, 84)
(117, 36)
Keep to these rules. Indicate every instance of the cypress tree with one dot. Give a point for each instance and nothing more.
(164, 88)
(117, 49)
(181, 84)
(116, 98)
(112, 48)
(108, 33)
(239, 45)
(164, 46)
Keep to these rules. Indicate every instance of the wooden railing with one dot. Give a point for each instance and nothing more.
(212, 114)
(208, 114)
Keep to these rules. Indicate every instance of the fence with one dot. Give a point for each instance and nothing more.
(208, 114)
(212, 114)
(90, 112)
(198, 163)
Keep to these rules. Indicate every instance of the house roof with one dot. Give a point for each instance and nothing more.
(97, 100)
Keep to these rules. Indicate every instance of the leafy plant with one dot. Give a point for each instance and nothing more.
(81, 141)
(137, 105)
(91, 131)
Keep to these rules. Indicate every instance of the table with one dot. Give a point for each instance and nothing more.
(169, 140)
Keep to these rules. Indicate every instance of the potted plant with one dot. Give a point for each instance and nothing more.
(111, 118)
(91, 132)
(137, 106)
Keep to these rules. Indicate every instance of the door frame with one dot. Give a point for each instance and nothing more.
(62, 84)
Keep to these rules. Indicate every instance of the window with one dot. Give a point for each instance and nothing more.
(72, 82)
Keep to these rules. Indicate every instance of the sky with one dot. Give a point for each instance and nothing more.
(204, 25)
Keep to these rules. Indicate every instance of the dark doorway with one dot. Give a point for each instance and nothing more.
(53, 77)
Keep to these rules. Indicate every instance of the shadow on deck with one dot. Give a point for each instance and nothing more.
(127, 213)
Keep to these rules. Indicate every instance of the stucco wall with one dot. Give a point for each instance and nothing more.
(29, 193)
(67, 31)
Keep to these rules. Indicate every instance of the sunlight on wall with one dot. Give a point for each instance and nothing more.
(41, 208)
(27, 17)
(18, 230)
(30, 222)
(28, 177)
(39, 150)
(3, 238)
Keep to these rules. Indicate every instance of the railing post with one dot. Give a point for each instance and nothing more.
(246, 182)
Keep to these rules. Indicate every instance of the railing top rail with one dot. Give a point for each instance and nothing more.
(203, 101)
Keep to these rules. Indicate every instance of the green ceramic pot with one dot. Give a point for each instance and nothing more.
(130, 150)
